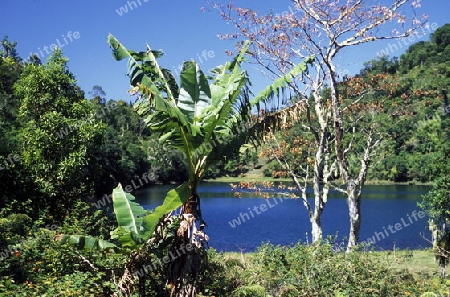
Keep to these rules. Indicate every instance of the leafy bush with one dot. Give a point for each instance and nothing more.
(77, 284)
(42, 266)
(250, 291)
(219, 277)
(86, 220)
(322, 270)
(13, 227)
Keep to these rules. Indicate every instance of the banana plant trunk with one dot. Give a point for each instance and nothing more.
(191, 245)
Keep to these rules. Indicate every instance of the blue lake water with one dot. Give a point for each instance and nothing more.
(285, 221)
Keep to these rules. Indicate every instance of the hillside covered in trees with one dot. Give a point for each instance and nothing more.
(413, 112)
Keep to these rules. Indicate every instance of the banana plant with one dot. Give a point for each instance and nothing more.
(201, 117)
(198, 116)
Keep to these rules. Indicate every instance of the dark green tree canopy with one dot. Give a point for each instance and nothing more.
(441, 37)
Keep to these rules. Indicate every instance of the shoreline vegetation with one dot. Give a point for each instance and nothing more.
(237, 179)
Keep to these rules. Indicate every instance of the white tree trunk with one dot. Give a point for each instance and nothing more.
(316, 227)
(354, 211)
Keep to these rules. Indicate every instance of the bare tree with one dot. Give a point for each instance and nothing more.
(324, 28)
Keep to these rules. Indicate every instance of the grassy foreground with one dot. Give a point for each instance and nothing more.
(413, 261)
(44, 267)
(416, 262)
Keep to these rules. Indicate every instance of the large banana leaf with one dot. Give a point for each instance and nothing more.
(139, 66)
(226, 76)
(174, 199)
(127, 238)
(230, 85)
(282, 82)
(86, 242)
(129, 218)
(195, 94)
(158, 104)
(128, 213)
(184, 134)
(135, 228)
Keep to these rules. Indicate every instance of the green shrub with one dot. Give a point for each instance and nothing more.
(250, 291)
(44, 267)
(320, 270)
(13, 227)
(289, 291)
(85, 220)
(217, 279)
(77, 284)
(271, 167)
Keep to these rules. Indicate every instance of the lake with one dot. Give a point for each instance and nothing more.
(389, 217)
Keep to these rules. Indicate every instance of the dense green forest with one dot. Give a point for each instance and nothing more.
(62, 150)
(418, 109)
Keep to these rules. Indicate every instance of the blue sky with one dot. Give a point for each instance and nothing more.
(178, 27)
